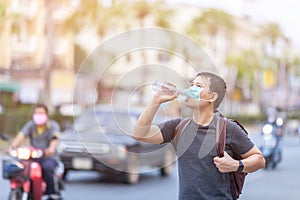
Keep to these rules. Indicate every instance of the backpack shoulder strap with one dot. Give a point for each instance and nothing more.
(181, 126)
(221, 135)
(238, 123)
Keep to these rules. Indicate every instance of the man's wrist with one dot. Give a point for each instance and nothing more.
(155, 101)
(240, 166)
(236, 166)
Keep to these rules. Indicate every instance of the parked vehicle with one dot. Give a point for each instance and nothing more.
(100, 141)
(25, 174)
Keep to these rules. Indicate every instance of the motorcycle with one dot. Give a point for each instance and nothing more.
(271, 142)
(25, 174)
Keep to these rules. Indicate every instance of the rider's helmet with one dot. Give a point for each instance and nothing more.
(271, 115)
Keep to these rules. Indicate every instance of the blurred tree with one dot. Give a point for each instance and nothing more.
(214, 29)
(84, 14)
(142, 9)
(93, 14)
(3, 12)
(79, 56)
(248, 64)
(5, 24)
(162, 14)
(277, 47)
(272, 33)
(273, 43)
(295, 66)
(212, 23)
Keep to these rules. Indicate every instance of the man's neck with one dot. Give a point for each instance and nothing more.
(203, 116)
(41, 128)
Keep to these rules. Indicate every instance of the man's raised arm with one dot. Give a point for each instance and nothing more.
(144, 130)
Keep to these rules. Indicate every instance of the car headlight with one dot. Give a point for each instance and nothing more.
(24, 153)
(61, 147)
(267, 129)
(105, 148)
(279, 121)
(119, 150)
(38, 153)
(13, 153)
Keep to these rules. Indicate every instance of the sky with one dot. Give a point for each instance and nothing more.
(285, 12)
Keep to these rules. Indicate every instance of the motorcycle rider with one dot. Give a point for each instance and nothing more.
(272, 132)
(274, 119)
(43, 133)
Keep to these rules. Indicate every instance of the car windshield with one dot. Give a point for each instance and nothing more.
(108, 122)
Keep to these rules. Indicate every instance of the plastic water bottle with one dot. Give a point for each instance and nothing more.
(184, 95)
(165, 88)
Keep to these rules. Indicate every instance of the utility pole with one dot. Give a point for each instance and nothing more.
(47, 68)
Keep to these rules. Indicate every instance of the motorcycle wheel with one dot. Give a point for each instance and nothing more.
(276, 159)
(15, 194)
(268, 161)
(64, 177)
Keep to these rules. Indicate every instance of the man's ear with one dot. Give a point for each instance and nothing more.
(214, 97)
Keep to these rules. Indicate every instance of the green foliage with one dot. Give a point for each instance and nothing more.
(272, 32)
(295, 66)
(64, 121)
(80, 56)
(143, 8)
(2, 10)
(14, 117)
(6, 99)
(214, 20)
(247, 61)
(85, 14)
(248, 119)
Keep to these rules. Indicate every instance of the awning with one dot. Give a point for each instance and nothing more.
(9, 86)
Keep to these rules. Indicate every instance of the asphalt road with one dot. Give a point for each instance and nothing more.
(281, 183)
(278, 184)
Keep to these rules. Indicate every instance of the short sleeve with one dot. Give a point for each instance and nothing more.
(239, 140)
(55, 130)
(167, 129)
(27, 129)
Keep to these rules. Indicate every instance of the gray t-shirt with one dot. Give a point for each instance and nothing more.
(196, 147)
(40, 139)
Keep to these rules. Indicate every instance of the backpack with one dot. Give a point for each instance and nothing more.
(237, 179)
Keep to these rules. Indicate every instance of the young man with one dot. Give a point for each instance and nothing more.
(202, 174)
(43, 134)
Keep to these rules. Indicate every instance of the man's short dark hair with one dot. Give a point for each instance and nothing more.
(216, 84)
(40, 105)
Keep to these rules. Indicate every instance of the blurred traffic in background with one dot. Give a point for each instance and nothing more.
(68, 55)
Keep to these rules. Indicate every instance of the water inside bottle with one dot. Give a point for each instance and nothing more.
(163, 87)
(183, 94)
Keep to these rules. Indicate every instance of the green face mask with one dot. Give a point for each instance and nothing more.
(194, 92)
